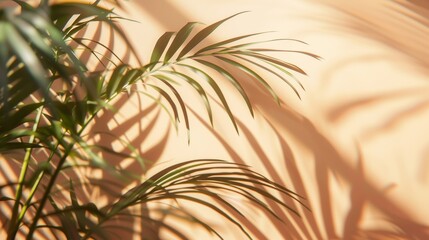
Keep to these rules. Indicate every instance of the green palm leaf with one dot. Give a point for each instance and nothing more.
(36, 57)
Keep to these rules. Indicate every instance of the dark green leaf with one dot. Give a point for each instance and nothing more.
(272, 72)
(160, 47)
(202, 35)
(130, 77)
(169, 100)
(251, 73)
(232, 79)
(180, 38)
(80, 215)
(222, 43)
(217, 90)
(165, 80)
(4, 57)
(115, 79)
(13, 120)
(28, 57)
(195, 85)
(17, 145)
(68, 226)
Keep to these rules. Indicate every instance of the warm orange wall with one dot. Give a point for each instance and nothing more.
(356, 144)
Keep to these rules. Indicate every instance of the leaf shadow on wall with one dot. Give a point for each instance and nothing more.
(401, 26)
(327, 161)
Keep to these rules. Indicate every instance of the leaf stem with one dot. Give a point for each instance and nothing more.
(15, 220)
(57, 171)
(47, 192)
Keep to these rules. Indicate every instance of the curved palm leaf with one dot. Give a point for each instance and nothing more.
(240, 56)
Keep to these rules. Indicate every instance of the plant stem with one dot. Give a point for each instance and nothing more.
(15, 221)
(54, 176)
(34, 189)
(48, 190)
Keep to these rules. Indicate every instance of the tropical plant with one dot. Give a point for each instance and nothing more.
(49, 98)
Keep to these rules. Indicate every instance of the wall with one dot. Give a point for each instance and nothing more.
(355, 144)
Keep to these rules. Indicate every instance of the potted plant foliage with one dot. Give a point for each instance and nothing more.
(49, 97)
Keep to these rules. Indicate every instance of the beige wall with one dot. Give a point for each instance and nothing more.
(355, 146)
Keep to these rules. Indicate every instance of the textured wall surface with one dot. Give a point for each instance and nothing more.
(355, 145)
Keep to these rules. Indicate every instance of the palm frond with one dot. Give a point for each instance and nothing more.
(168, 56)
(212, 178)
(49, 96)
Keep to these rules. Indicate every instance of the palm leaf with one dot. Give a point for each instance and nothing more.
(225, 42)
(180, 38)
(198, 88)
(204, 176)
(160, 47)
(217, 90)
(165, 80)
(252, 74)
(232, 79)
(35, 52)
(200, 36)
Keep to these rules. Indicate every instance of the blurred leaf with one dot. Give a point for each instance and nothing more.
(115, 79)
(4, 57)
(4, 147)
(31, 62)
(68, 225)
(14, 119)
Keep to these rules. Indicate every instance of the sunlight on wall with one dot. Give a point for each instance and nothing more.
(355, 144)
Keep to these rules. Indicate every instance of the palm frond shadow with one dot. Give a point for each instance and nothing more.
(92, 46)
(328, 162)
(108, 134)
(304, 227)
(235, 156)
(419, 105)
(394, 24)
(166, 14)
(401, 26)
(347, 107)
(408, 38)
